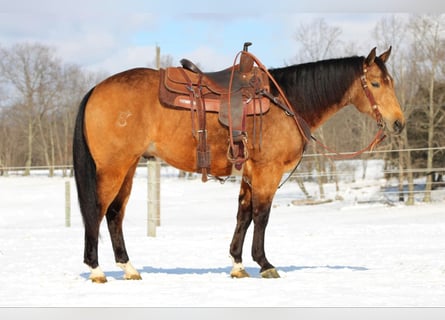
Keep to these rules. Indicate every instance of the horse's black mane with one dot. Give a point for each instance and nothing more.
(313, 87)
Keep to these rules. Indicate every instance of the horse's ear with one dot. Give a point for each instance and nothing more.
(385, 55)
(371, 56)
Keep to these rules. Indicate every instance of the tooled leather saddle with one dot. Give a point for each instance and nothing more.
(233, 93)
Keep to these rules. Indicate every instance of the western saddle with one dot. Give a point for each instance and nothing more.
(233, 93)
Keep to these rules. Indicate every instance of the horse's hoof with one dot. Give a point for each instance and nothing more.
(130, 273)
(97, 275)
(270, 274)
(240, 273)
(132, 277)
(98, 279)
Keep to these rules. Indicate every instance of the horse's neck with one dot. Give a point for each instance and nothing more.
(323, 114)
(326, 114)
(318, 90)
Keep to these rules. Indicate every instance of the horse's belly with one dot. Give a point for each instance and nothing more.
(183, 156)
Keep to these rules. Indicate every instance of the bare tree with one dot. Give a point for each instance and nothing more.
(428, 33)
(41, 99)
(391, 31)
(29, 70)
(75, 84)
(318, 40)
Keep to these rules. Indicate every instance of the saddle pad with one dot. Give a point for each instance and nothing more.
(174, 81)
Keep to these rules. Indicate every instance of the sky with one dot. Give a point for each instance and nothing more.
(111, 35)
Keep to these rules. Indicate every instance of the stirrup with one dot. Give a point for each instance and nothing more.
(240, 155)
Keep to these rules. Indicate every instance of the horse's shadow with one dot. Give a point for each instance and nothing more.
(254, 272)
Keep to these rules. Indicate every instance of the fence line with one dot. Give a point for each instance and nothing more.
(386, 184)
(68, 167)
(373, 152)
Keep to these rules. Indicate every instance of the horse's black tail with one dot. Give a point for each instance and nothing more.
(85, 172)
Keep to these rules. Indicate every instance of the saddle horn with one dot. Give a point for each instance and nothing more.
(246, 46)
(246, 61)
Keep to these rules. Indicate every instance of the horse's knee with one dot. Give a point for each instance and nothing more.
(261, 214)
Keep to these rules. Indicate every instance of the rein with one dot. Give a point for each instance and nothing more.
(379, 136)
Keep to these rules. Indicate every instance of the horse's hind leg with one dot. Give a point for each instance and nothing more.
(90, 251)
(113, 188)
(115, 215)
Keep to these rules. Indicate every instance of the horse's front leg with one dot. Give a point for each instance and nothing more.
(260, 218)
(264, 183)
(243, 220)
(257, 191)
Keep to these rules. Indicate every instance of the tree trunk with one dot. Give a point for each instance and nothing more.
(409, 169)
(52, 149)
(319, 163)
(30, 141)
(44, 143)
(401, 180)
(430, 153)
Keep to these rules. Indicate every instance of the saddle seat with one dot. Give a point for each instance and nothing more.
(215, 89)
(219, 81)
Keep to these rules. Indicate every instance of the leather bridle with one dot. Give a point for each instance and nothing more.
(378, 138)
(371, 99)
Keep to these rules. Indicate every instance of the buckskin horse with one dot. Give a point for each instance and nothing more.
(122, 119)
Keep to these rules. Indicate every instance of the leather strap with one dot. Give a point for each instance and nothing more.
(202, 152)
(371, 99)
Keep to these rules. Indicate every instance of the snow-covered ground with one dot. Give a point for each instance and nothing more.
(352, 252)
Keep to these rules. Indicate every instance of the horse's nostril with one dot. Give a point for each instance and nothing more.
(398, 126)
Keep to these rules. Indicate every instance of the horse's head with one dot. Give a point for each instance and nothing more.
(374, 93)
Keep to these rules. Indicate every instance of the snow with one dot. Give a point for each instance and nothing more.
(356, 252)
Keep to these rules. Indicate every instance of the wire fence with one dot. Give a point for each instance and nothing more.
(389, 182)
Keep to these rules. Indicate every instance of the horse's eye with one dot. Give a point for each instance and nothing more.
(375, 84)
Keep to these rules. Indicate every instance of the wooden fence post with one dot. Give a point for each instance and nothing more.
(153, 196)
(67, 204)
